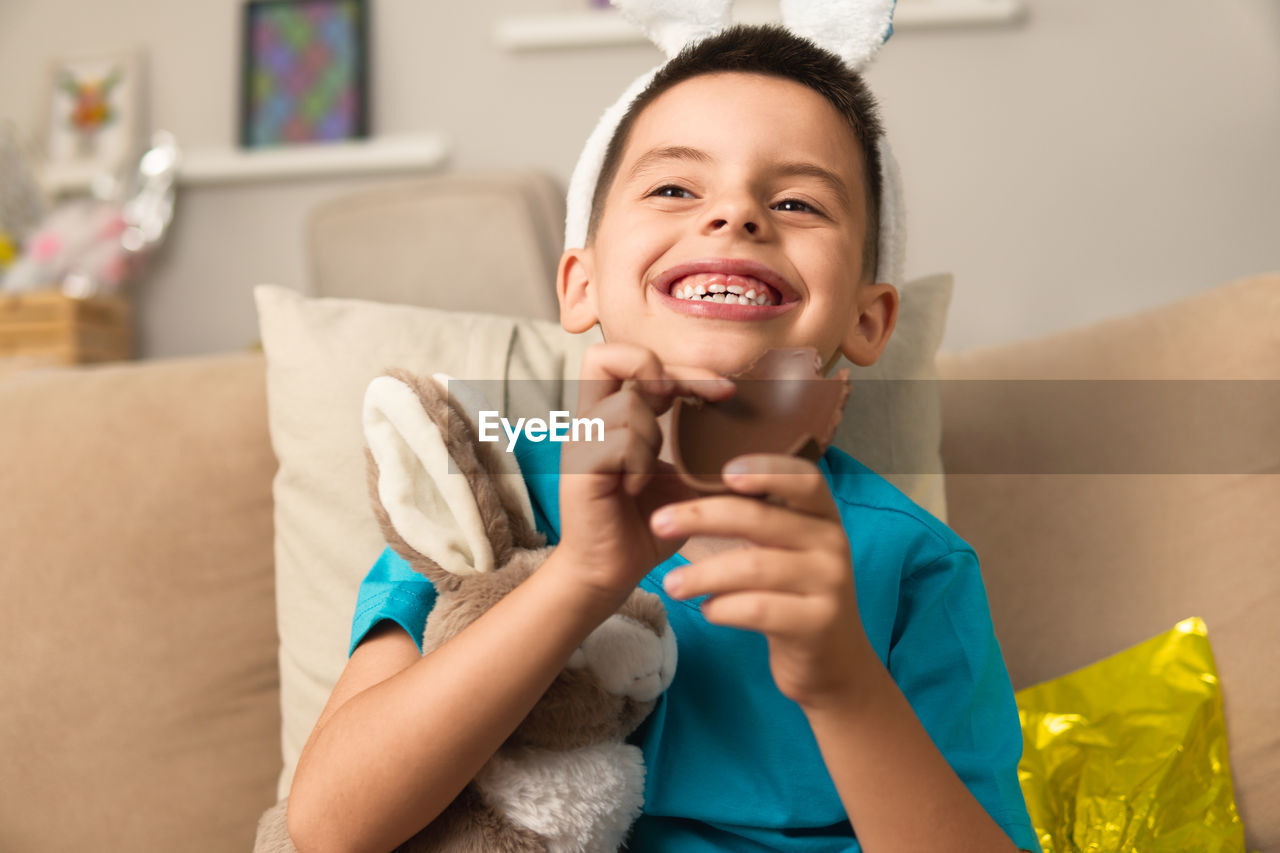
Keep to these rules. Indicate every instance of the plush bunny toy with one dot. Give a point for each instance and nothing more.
(457, 510)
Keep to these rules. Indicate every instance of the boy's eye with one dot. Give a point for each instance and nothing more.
(671, 191)
(796, 205)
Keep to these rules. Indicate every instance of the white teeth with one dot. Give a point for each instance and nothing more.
(732, 294)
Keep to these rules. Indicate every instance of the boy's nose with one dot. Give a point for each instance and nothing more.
(748, 225)
(734, 213)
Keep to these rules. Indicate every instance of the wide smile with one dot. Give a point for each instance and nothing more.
(725, 288)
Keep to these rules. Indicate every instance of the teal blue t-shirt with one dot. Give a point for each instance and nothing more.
(731, 763)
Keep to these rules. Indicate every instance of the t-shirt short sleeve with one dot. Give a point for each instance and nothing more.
(392, 591)
(946, 660)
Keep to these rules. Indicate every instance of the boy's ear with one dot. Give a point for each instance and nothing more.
(574, 289)
(877, 314)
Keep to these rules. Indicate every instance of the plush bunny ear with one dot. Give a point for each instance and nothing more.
(854, 30)
(499, 466)
(672, 24)
(437, 494)
(582, 184)
(893, 219)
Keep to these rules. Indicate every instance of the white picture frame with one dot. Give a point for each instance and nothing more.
(94, 121)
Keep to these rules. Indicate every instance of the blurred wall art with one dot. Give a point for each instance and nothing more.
(305, 72)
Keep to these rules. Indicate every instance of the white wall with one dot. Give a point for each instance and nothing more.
(1106, 156)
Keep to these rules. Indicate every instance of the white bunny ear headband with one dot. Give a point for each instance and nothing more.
(854, 30)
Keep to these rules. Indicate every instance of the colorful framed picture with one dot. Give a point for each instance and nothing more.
(95, 120)
(305, 72)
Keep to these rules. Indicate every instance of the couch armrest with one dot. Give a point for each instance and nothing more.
(137, 618)
(1081, 563)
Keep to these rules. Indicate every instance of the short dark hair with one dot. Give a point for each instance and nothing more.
(774, 51)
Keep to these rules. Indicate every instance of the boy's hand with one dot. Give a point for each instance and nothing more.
(795, 587)
(608, 489)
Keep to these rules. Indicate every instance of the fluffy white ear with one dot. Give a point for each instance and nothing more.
(854, 30)
(427, 498)
(505, 472)
(893, 219)
(582, 184)
(672, 24)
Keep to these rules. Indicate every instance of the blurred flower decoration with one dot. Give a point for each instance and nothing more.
(91, 109)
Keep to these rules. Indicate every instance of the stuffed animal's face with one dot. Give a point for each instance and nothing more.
(611, 682)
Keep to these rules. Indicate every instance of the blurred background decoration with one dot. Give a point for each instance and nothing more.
(90, 246)
(94, 115)
(21, 204)
(65, 264)
(91, 110)
(1068, 161)
(305, 72)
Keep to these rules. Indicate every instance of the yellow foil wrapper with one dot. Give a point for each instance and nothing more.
(1130, 753)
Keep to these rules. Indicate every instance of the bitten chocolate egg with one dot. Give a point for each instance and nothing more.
(781, 404)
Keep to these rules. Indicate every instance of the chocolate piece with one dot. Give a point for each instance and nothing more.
(781, 404)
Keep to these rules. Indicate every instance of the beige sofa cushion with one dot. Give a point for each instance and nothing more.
(1092, 559)
(139, 707)
(321, 355)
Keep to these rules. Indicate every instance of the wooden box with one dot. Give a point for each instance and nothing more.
(48, 327)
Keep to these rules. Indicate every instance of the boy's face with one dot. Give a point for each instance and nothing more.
(733, 180)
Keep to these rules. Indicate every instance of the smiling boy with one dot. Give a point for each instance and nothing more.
(839, 686)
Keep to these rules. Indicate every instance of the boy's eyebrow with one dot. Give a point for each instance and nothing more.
(668, 152)
(795, 168)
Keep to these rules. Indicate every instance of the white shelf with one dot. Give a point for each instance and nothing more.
(206, 166)
(365, 157)
(606, 27)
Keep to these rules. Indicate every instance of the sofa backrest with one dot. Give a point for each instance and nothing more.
(469, 241)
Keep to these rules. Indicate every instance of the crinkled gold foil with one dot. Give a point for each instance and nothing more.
(1130, 753)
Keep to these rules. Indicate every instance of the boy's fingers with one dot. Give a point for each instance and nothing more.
(623, 453)
(627, 409)
(638, 459)
(773, 613)
(608, 367)
(753, 520)
(795, 482)
(605, 367)
(736, 570)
